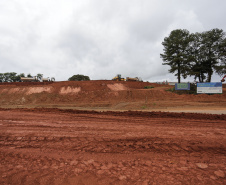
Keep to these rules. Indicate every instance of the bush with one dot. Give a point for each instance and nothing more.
(79, 78)
(148, 87)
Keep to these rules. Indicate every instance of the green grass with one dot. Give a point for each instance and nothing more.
(148, 87)
(144, 107)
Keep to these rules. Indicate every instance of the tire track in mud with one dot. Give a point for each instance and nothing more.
(143, 114)
(153, 145)
(89, 150)
(95, 145)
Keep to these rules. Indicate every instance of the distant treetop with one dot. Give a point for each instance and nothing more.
(79, 77)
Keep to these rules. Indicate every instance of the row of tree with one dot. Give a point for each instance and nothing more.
(14, 77)
(195, 54)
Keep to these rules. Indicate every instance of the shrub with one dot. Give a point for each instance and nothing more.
(148, 87)
(79, 78)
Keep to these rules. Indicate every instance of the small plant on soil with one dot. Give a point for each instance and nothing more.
(148, 87)
(171, 89)
(144, 107)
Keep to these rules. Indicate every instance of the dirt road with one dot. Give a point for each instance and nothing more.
(51, 146)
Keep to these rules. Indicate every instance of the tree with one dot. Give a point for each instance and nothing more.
(212, 50)
(21, 75)
(1, 77)
(79, 77)
(220, 67)
(18, 77)
(7, 77)
(39, 76)
(13, 77)
(197, 65)
(29, 75)
(198, 55)
(176, 52)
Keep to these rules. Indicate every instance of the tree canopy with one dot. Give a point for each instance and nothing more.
(79, 77)
(176, 48)
(10, 77)
(14, 77)
(198, 54)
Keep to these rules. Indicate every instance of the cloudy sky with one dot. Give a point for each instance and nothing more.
(98, 38)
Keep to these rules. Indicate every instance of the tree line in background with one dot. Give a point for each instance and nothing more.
(195, 54)
(14, 77)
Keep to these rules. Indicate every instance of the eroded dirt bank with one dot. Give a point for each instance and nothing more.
(51, 146)
(106, 95)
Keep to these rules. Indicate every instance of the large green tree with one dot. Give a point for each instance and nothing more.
(176, 52)
(212, 50)
(198, 68)
(198, 55)
(221, 68)
(208, 52)
(79, 77)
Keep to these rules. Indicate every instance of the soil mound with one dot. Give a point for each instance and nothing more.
(100, 94)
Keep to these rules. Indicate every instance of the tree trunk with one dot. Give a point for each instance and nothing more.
(178, 74)
(209, 76)
(202, 77)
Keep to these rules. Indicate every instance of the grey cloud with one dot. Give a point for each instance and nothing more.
(97, 38)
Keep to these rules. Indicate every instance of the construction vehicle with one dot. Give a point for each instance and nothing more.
(52, 79)
(45, 79)
(136, 79)
(118, 78)
(48, 79)
(29, 79)
(36, 79)
(223, 79)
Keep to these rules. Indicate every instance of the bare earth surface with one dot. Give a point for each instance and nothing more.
(51, 146)
(106, 132)
(107, 95)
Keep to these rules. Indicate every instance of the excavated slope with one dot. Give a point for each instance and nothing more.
(101, 93)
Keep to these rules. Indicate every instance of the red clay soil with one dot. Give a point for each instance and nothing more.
(103, 94)
(53, 146)
(68, 146)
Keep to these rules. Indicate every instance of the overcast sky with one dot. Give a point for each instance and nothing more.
(98, 38)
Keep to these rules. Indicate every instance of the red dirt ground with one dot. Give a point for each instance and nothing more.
(111, 145)
(51, 146)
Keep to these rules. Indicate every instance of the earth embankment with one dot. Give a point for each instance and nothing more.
(104, 94)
